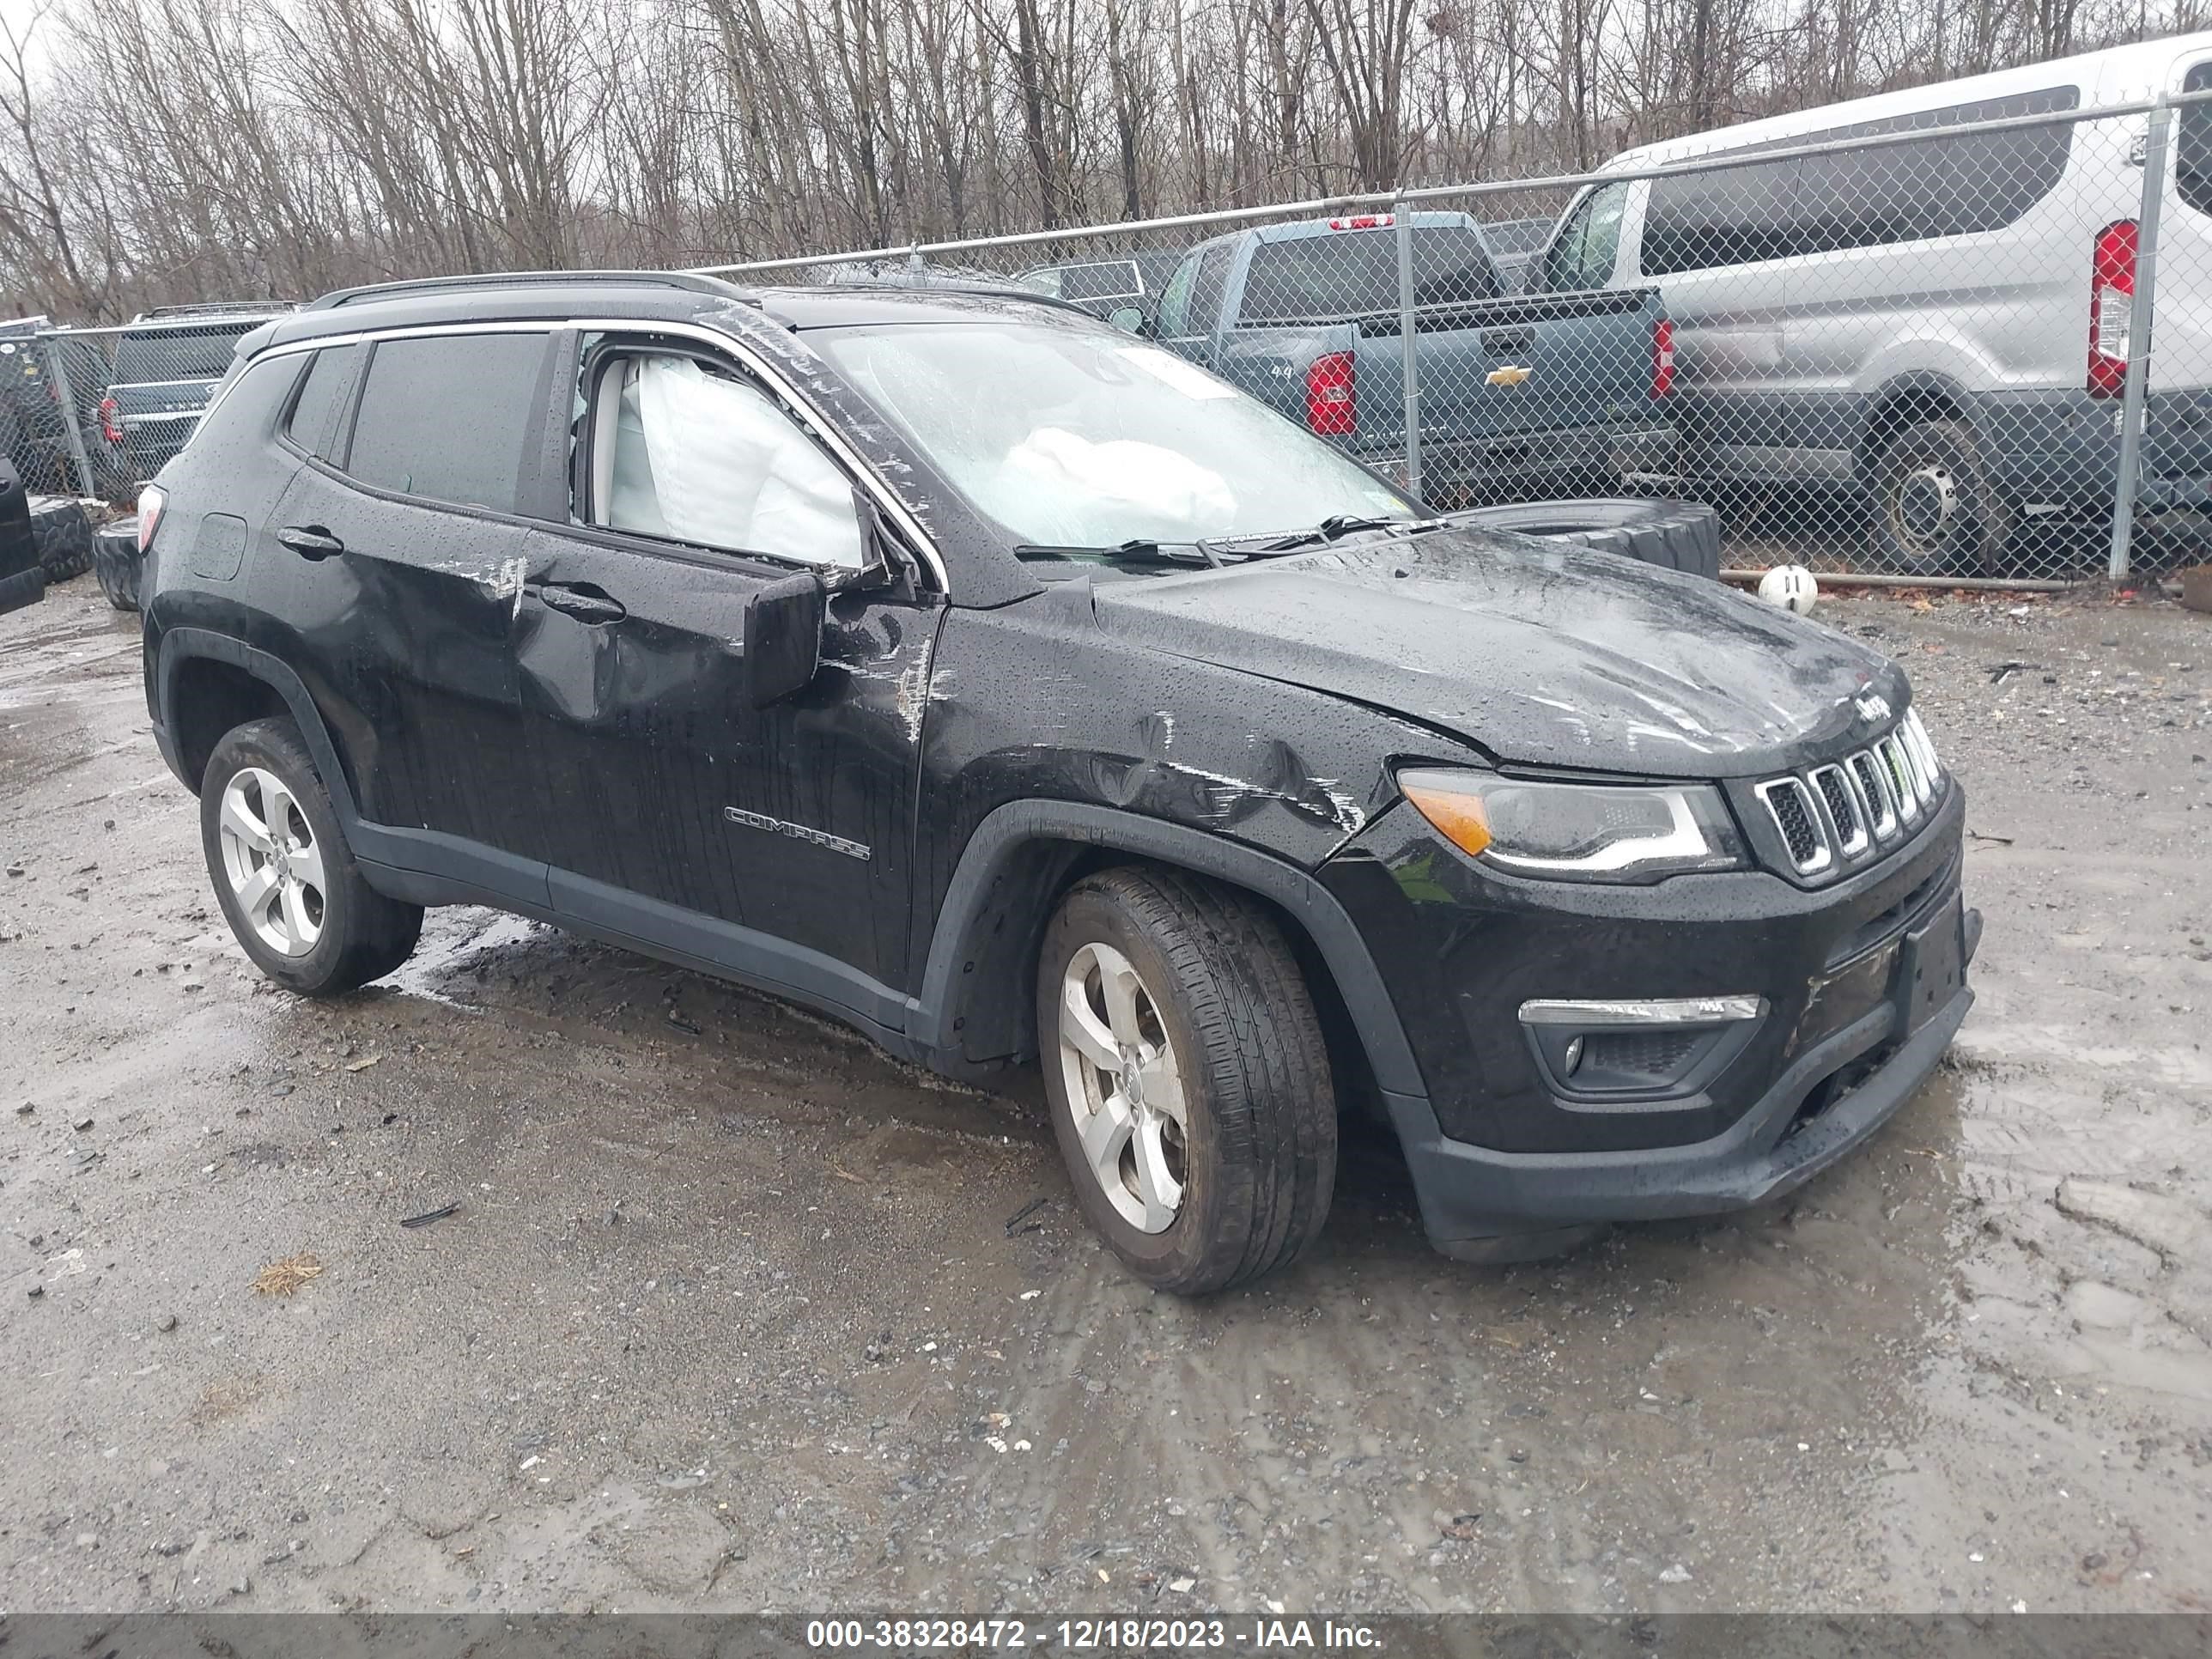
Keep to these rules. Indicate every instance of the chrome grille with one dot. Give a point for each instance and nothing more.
(1849, 811)
(1837, 794)
(1873, 790)
(1791, 805)
(1904, 780)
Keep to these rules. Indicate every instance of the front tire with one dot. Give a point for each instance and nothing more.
(1188, 1079)
(286, 879)
(1937, 512)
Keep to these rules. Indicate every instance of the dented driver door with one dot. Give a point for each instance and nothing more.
(772, 841)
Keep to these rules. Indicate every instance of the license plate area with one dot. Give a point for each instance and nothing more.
(1935, 966)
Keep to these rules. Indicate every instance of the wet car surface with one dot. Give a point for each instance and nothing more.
(735, 1311)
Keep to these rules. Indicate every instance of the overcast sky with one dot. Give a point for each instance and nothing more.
(18, 13)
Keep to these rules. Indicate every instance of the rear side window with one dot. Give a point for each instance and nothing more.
(1345, 273)
(196, 353)
(450, 416)
(1175, 298)
(1207, 291)
(1956, 186)
(2192, 143)
(1734, 215)
(1115, 281)
(330, 376)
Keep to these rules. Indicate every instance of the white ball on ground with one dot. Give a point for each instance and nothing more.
(1791, 586)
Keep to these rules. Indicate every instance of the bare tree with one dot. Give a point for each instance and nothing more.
(155, 150)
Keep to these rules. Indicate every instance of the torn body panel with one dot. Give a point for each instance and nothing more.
(407, 639)
(1066, 711)
(660, 778)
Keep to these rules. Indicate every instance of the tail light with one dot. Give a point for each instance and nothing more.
(1662, 357)
(2111, 307)
(1365, 221)
(1331, 406)
(108, 430)
(151, 499)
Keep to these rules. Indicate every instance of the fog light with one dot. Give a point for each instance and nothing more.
(1619, 1050)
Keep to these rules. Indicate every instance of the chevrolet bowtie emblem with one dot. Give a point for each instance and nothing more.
(1512, 374)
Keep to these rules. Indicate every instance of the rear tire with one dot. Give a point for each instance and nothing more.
(1206, 1155)
(1684, 536)
(63, 535)
(286, 879)
(1936, 512)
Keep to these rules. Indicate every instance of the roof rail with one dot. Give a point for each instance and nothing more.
(713, 285)
(216, 308)
(975, 287)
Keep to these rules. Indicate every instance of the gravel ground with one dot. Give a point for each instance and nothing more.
(731, 1316)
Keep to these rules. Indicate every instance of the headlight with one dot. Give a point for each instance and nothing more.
(1579, 831)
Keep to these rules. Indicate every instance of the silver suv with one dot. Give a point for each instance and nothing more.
(1943, 323)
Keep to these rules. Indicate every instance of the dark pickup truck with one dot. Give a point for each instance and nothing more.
(22, 578)
(1518, 394)
(167, 364)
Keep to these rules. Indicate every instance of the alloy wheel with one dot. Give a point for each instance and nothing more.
(270, 858)
(1124, 1087)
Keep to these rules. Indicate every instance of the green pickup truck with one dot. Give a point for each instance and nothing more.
(1519, 394)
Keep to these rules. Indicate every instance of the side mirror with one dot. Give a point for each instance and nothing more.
(783, 638)
(1130, 319)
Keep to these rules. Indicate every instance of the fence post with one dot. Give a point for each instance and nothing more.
(70, 429)
(1408, 356)
(2127, 485)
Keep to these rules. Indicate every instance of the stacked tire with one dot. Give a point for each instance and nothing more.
(115, 563)
(63, 535)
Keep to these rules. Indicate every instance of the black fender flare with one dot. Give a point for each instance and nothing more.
(963, 922)
(181, 644)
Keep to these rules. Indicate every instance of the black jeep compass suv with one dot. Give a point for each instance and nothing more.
(1009, 687)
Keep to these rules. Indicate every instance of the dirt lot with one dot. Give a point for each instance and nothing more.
(731, 1314)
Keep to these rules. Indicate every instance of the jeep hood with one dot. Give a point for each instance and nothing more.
(1534, 653)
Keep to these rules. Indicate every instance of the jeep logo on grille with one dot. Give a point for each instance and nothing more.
(1873, 707)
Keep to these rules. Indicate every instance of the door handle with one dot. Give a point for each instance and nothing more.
(585, 603)
(310, 541)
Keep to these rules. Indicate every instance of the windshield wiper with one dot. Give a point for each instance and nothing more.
(1333, 528)
(1137, 547)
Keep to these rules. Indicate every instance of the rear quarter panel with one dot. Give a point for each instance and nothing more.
(237, 469)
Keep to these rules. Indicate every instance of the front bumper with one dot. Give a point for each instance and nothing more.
(24, 587)
(1470, 1195)
(2062, 448)
(1861, 984)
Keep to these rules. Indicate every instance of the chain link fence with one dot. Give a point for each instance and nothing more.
(95, 412)
(1964, 341)
(1918, 347)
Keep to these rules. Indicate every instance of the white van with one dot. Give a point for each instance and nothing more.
(1942, 324)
